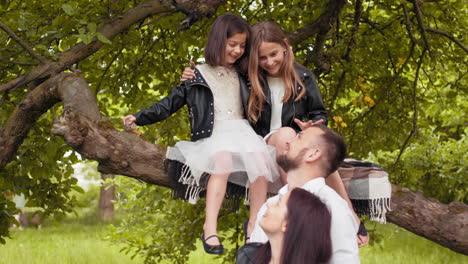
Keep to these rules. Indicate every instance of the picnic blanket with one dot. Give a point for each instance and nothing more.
(368, 188)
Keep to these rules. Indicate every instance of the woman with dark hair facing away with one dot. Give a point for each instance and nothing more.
(298, 228)
(224, 147)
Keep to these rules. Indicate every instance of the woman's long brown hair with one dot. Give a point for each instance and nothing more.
(270, 32)
(307, 239)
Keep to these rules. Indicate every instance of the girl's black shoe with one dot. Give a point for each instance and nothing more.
(215, 250)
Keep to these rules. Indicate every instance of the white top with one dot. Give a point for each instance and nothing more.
(276, 85)
(224, 84)
(343, 225)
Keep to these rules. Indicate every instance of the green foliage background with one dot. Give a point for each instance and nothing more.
(398, 101)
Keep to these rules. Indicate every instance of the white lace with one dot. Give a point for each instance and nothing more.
(224, 83)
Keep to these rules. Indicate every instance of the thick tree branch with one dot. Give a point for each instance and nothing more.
(444, 224)
(84, 129)
(13, 135)
(17, 127)
(94, 137)
(81, 51)
(22, 43)
(447, 35)
(122, 153)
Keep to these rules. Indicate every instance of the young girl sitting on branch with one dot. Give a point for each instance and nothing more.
(224, 147)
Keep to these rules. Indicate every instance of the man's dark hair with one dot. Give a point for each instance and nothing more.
(334, 149)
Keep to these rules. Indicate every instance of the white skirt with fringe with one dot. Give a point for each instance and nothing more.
(233, 148)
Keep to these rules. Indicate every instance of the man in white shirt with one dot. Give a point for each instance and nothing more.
(312, 155)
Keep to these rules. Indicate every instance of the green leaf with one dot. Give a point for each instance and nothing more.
(92, 27)
(86, 38)
(78, 189)
(68, 8)
(102, 38)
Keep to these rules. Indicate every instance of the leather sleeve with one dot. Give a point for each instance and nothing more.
(164, 108)
(316, 109)
(246, 254)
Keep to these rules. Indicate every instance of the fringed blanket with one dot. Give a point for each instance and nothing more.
(185, 188)
(367, 185)
(368, 188)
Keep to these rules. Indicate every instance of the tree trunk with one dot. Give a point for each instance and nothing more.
(106, 197)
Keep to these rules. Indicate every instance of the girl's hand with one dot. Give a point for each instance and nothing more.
(305, 125)
(129, 122)
(188, 73)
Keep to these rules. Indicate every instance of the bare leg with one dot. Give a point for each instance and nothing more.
(334, 181)
(215, 192)
(258, 192)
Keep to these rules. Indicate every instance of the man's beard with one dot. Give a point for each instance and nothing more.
(289, 164)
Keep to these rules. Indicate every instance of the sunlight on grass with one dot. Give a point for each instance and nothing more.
(392, 244)
(80, 242)
(69, 243)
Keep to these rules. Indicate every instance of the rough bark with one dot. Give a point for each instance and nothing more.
(444, 224)
(17, 127)
(34, 104)
(84, 129)
(94, 137)
(106, 197)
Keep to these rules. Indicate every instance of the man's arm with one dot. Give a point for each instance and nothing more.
(343, 234)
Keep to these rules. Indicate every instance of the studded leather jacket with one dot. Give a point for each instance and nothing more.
(198, 97)
(309, 107)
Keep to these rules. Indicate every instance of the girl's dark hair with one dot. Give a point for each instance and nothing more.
(307, 238)
(224, 27)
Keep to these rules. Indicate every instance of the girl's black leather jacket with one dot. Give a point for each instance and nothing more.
(198, 97)
(309, 107)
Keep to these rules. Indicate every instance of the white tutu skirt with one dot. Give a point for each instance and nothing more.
(233, 148)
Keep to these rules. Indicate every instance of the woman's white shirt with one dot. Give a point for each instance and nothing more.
(276, 85)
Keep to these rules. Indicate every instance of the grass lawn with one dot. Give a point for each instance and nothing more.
(77, 242)
(392, 244)
(69, 243)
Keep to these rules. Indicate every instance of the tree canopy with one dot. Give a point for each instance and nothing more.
(392, 74)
